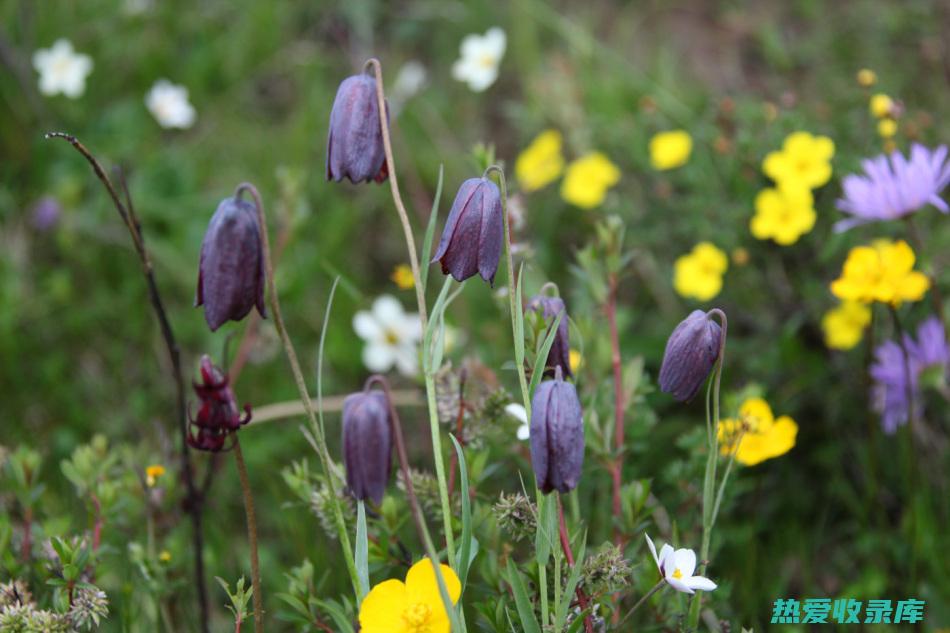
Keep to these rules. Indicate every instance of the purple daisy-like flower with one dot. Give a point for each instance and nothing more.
(894, 186)
(897, 378)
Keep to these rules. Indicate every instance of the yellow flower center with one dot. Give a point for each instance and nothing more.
(416, 617)
(677, 574)
(486, 61)
(391, 337)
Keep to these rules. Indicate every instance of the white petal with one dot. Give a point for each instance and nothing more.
(524, 432)
(378, 357)
(685, 561)
(388, 311)
(408, 327)
(471, 46)
(518, 412)
(652, 549)
(366, 326)
(494, 42)
(407, 360)
(679, 585)
(666, 558)
(700, 583)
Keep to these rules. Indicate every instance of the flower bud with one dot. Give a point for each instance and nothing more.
(560, 354)
(691, 352)
(355, 140)
(557, 435)
(367, 444)
(218, 414)
(231, 266)
(474, 232)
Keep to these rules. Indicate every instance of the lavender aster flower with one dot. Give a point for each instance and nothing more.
(894, 186)
(897, 379)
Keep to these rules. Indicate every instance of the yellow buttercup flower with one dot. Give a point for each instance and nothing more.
(756, 435)
(803, 162)
(698, 274)
(887, 128)
(402, 277)
(844, 326)
(881, 272)
(587, 180)
(866, 77)
(165, 556)
(541, 162)
(783, 215)
(414, 606)
(152, 473)
(669, 150)
(575, 359)
(880, 105)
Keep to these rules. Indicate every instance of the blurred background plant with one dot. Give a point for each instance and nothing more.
(655, 117)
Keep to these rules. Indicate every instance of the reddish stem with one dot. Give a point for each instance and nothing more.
(26, 549)
(569, 555)
(617, 469)
(97, 525)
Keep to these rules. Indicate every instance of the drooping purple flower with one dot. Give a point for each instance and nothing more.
(231, 265)
(892, 187)
(474, 232)
(560, 354)
(691, 352)
(355, 139)
(218, 415)
(557, 435)
(897, 377)
(367, 444)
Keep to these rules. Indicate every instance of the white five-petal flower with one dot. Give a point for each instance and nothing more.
(169, 104)
(392, 336)
(677, 567)
(481, 56)
(62, 70)
(517, 411)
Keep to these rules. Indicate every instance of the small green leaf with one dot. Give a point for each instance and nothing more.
(529, 622)
(465, 547)
(540, 360)
(362, 550)
(430, 232)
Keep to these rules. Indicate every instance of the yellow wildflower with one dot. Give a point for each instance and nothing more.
(587, 180)
(575, 359)
(541, 162)
(803, 162)
(414, 606)
(866, 77)
(402, 277)
(844, 326)
(152, 473)
(881, 272)
(758, 434)
(698, 274)
(669, 150)
(887, 128)
(165, 556)
(881, 105)
(783, 215)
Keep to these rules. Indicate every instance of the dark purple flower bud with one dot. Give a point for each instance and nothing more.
(46, 213)
(474, 232)
(557, 435)
(218, 414)
(690, 354)
(560, 354)
(367, 444)
(231, 267)
(355, 140)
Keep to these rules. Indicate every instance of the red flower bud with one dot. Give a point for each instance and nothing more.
(218, 414)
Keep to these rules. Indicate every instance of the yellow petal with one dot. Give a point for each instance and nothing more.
(422, 586)
(382, 608)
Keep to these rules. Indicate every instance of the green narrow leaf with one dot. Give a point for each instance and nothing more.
(542, 536)
(430, 233)
(323, 338)
(519, 319)
(529, 623)
(540, 360)
(432, 326)
(465, 547)
(362, 550)
(337, 615)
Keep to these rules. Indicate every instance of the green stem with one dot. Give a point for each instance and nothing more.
(320, 442)
(709, 482)
(643, 600)
(251, 536)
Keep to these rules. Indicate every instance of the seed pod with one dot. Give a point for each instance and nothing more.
(355, 140)
(691, 352)
(557, 435)
(474, 232)
(367, 444)
(231, 266)
(218, 414)
(560, 354)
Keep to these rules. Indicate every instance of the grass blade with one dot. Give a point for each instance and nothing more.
(362, 550)
(430, 232)
(465, 547)
(529, 623)
(540, 360)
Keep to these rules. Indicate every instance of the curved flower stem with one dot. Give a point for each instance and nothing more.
(251, 536)
(569, 555)
(193, 499)
(320, 443)
(421, 303)
(418, 517)
(643, 600)
(709, 482)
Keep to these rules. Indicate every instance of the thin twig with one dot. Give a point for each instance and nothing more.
(251, 536)
(193, 502)
(569, 555)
